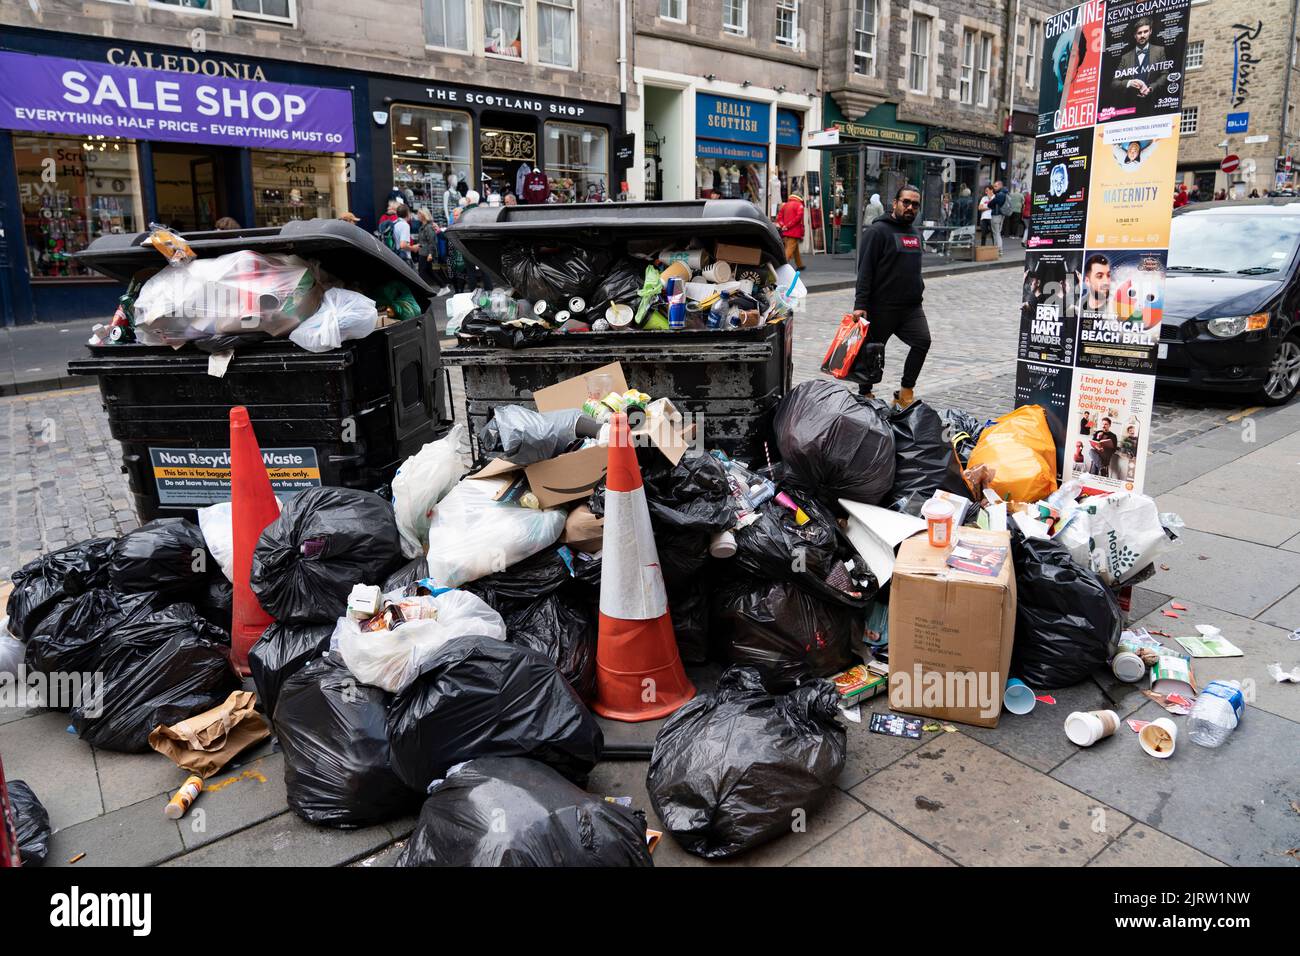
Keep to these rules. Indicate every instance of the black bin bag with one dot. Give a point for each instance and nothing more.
(337, 765)
(41, 584)
(548, 609)
(69, 639)
(325, 541)
(510, 811)
(621, 284)
(730, 768)
(924, 460)
(554, 272)
(405, 577)
(1067, 621)
(836, 444)
(280, 652)
(481, 697)
(162, 668)
(32, 823)
(167, 555)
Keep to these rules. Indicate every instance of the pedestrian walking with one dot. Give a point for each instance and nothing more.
(1026, 214)
(789, 219)
(427, 245)
(986, 214)
(402, 234)
(1015, 202)
(890, 289)
(996, 206)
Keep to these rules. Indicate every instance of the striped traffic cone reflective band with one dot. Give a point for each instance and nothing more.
(639, 673)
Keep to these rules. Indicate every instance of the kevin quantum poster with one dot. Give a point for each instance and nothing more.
(1142, 59)
(1106, 444)
(1131, 197)
(1121, 308)
(1049, 307)
(1071, 68)
(1060, 190)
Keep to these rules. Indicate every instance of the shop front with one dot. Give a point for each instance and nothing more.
(978, 163)
(434, 142)
(109, 137)
(731, 148)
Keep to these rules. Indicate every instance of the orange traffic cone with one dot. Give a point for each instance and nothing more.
(639, 673)
(252, 508)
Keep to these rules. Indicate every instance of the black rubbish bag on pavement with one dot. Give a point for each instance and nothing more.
(692, 495)
(729, 768)
(786, 633)
(549, 821)
(546, 608)
(1067, 621)
(526, 436)
(217, 602)
(836, 444)
(325, 541)
(621, 284)
(337, 764)
(404, 578)
(32, 823)
(924, 461)
(68, 640)
(965, 430)
(481, 697)
(554, 273)
(280, 652)
(54, 577)
(167, 666)
(167, 555)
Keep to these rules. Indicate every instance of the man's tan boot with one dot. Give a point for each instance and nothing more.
(903, 398)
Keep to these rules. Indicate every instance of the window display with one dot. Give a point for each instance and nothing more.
(577, 162)
(74, 190)
(720, 178)
(290, 186)
(433, 154)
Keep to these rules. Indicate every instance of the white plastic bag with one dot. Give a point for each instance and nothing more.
(217, 528)
(11, 649)
(472, 535)
(343, 315)
(1127, 535)
(393, 659)
(422, 481)
(458, 306)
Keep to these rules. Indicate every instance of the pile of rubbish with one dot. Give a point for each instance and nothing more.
(570, 288)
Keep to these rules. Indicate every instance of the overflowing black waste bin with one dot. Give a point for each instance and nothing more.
(346, 417)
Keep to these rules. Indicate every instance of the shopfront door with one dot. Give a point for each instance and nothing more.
(191, 188)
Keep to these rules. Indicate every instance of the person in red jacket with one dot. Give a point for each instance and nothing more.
(789, 219)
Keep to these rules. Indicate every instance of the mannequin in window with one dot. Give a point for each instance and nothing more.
(703, 177)
(773, 192)
(450, 198)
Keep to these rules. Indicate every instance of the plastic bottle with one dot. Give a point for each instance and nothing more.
(718, 314)
(1216, 713)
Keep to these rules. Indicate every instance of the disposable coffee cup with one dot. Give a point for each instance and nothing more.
(1018, 698)
(678, 270)
(717, 272)
(1159, 737)
(723, 545)
(1128, 667)
(1085, 728)
(619, 315)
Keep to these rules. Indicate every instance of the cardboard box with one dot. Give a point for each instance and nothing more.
(985, 253)
(573, 475)
(737, 255)
(950, 632)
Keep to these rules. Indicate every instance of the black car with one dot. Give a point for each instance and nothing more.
(1232, 299)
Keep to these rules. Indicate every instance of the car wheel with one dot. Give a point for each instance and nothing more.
(1283, 373)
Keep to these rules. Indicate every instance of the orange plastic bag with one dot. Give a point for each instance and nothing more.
(1020, 450)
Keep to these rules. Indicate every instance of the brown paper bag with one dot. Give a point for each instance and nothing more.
(206, 742)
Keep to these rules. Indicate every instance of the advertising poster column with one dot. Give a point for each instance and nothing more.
(1104, 167)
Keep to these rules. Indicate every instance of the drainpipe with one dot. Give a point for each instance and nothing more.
(1009, 85)
(622, 70)
(1286, 87)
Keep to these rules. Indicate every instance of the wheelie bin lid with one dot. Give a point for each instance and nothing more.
(345, 251)
(483, 229)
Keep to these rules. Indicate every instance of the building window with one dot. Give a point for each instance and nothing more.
(866, 22)
(1033, 37)
(446, 24)
(556, 33)
(288, 186)
(206, 6)
(281, 11)
(1190, 118)
(432, 153)
(787, 22)
(577, 162)
(984, 69)
(95, 192)
(735, 17)
(918, 60)
(672, 10)
(503, 28)
(1195, 55)
(966, 83)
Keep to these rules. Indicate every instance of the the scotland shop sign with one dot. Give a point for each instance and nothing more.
(732, 120)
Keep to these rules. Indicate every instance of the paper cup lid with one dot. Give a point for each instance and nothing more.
(1079, 728)
(1128, 667)
(619, 315)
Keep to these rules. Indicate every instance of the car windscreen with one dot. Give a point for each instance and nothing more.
(1235, 244)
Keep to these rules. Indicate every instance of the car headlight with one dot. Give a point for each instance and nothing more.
(1230, 325)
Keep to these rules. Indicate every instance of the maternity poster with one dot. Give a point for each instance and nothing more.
(1062, 165)
(1049, 308)
(1071, 68)
(1131, 196)
(1142, 59)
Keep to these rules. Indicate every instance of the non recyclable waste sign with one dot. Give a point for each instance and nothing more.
(201, 476)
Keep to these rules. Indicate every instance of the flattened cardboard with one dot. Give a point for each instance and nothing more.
(737, 255)
(957, 627)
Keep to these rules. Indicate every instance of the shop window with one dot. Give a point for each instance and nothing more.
(577, 162)
(446, 24)
(72, 191)
(281, 11)
(735, 17)
(721, 177)
(288, 186)
(866, 23)
(555, 32)
(432, 155)
(503, 28)
(787, 22)
(672, 10)
(918, 60)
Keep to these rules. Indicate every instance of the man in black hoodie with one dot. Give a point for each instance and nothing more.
(890, 286)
